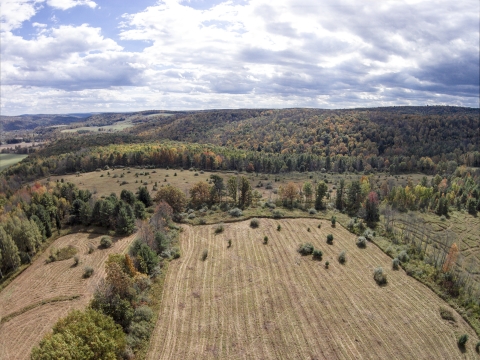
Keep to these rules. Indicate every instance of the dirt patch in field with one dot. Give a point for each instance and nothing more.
(45, 292)
(256, 301)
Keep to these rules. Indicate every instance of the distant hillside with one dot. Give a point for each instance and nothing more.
(30, 122)
(418, 131)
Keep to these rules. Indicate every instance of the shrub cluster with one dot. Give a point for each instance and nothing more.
(219, 229)
(254, 223)
(361, 242)
(395, 264)
(106, 242)
(236, 212)
(305, 249)
(330, 239)
(317, 254)
(87, 272)
(379, 276)
(342, 257)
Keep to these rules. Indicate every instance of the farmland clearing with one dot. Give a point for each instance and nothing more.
(254, 300)
(7, 160)
(32, 303)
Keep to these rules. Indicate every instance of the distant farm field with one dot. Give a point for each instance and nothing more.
(32, 303)
(257, 301)
(7, 160)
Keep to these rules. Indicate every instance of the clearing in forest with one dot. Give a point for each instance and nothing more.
(265, 301)
(32, 303)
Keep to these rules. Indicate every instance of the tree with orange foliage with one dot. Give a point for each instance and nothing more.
(200, 194)
(289, 193)
(451, 258)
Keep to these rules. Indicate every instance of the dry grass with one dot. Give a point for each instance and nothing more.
(256, 301)
(43, 293)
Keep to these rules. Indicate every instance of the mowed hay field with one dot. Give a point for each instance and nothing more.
(29, 305)
(7, 160)
(256, 301)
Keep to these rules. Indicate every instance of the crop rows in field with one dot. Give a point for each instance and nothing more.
(32, 303)
(256, 301)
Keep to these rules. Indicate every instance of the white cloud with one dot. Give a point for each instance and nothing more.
(67, 4)
(15, 12)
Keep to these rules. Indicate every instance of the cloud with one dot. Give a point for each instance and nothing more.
(334, 53)
(67, 4)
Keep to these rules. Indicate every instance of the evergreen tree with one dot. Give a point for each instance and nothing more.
(339, 201)
(128, 197)
(125, 223)
(144, 196)
(10, 256)
(245, 198)
(232, 188)
(320, 193)
(354, 198)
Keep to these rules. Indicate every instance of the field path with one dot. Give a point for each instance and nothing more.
(256, 301)
(32, 303)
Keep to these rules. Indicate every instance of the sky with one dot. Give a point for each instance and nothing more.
(71, 56)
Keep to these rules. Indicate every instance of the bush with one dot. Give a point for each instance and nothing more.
(204, 255)
(229, 243)
(219, 229)
(319, 226)
(327, 264)
(395, 264)
(236, 212)
(317, 254)
(175, 252)
(254, 223)
(91, 248)
(403, 256)
(462, 340)
(312, 211)
(142, 313)
(277, 214)
(265, 240)
(477, 347)
(361, 242)
(106, 242)
(369, 234)
(446, 314)
(330, 239)
(305, 249)
(342, 257)
(191, 216)
(334, 221)
(87, 272)
(270, 205)
(279, 227)
(202, 221)
(76, 260)
(379, 276)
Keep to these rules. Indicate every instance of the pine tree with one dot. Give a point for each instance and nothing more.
(125, 221)
(354, 196)
(339, 201)
(371, 208)
(11, 259)
(320, 193)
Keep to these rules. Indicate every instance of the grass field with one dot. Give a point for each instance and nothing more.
(7, 160)
(106, 184)
(118, 126)
(256, 301)
(32, 303)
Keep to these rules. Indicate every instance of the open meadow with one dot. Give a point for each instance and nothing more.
(45, 292)
(7, 160)
(254, 300)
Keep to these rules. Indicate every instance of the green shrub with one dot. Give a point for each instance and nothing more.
(76, 260)
(219, 229)
(327, 264)
(342, 257)
(91, 248)
(254, 223)
(462, 340)
(265, 240)
(319, 226)
(403, 256)
(317, 254)
(106, 242)
(236, 212)
(204, 255)
(334, 221)
(312, 211)
(229, 243)
(279, 227)
(277, 214)
(308, 229)
(305, 249)
(87, 272)
(361, 242)
(477, 347)
(446, 314)
(395, 264)
(330, 239)
(142, 313)
(379, 276)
